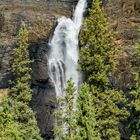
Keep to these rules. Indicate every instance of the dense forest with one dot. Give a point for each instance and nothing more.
(97, 110)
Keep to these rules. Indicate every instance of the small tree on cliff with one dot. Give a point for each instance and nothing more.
(16, 111)
(97, 60)
(21, 90)
(134, 125)
(21, 68)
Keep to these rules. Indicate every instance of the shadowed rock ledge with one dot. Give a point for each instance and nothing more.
(44, 98)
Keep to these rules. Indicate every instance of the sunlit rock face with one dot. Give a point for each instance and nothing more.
(124, 19)
(39, 15)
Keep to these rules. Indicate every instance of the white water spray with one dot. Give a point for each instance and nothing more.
(64, 52)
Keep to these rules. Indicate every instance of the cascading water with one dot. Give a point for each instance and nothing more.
(64, 51)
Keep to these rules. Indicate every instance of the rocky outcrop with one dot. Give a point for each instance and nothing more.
(5, 58)
(124, 18)
(44, 98)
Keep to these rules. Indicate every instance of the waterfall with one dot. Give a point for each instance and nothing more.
(64, 51)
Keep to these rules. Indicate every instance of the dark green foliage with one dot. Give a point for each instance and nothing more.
(21, 68)
(85, 115)
(109, 112)
(97, 57)
(76, 119)
(18, 120)
(97, 60)
(134, 126)
(9, 129)
(65, 125)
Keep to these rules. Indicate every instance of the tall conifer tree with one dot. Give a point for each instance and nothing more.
(85, 115)
(134, 120)
(21, 90)
(16, 112)
(97, 60)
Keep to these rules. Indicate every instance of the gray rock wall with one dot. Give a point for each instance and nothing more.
(44, 98)
(40, 17)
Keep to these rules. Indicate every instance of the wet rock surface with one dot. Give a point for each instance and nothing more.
(44, 97)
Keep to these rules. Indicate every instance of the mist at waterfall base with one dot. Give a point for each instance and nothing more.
(64, 51)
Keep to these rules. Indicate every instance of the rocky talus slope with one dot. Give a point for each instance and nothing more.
(40, 17)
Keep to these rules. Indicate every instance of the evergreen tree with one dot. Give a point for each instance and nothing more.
(109, 112)
(21, 90)
(65, 125)
(17, 117)
(97, 56)
(21, 68)
(97, 60)
(9, 129)
(76, 118)
(134, 126)
(85, 116)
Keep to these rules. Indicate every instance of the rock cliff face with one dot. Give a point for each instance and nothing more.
(40, 17)
(44, 99)
(124, 20)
